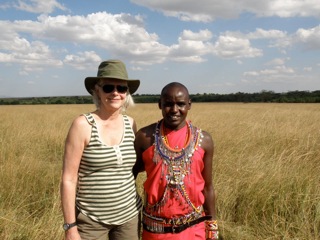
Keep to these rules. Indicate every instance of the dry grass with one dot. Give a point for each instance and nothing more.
(266, 170)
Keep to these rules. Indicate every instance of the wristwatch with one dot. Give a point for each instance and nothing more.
(67, 226)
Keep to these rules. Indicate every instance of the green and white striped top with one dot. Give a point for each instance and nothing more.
(106, 187)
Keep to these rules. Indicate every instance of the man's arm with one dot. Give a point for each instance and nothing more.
(208, 191)
(144, 140)
(138, 145)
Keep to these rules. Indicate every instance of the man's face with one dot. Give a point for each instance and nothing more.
(175, 104)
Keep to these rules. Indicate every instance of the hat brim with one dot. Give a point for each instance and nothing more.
(90, 82)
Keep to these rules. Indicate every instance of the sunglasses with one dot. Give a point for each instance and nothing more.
(108, 88)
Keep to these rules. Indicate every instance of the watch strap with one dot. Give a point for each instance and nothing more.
(67, 226)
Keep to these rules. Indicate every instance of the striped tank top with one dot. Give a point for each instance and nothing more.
(106, 187)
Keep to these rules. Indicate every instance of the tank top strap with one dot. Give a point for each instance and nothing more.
(126, 120)
(89, 118)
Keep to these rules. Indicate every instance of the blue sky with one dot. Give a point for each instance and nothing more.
(47, 48)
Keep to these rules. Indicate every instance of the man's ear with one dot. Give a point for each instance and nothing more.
(159, 103)
(189, 104)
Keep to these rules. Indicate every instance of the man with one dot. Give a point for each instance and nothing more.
(177, 157)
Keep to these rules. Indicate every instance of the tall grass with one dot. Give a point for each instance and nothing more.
(266, 167)
(31, 146)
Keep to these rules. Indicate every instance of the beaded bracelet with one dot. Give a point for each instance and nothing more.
(212, 232)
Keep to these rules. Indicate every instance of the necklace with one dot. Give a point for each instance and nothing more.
(176, 161)
(164, 134)
(167, 153)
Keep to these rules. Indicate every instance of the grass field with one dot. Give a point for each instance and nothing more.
(266, 167)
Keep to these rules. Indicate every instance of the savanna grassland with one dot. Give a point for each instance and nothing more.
(266, 167)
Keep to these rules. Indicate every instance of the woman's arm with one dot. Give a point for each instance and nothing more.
(77, 138)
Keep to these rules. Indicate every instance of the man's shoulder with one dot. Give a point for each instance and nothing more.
(145, 137)
(205, 134)
(148, 128)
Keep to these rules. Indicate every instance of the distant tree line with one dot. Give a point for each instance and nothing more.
(263, 96)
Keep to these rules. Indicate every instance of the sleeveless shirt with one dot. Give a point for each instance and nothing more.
(170, 204)
(106, 187)
(156, 183)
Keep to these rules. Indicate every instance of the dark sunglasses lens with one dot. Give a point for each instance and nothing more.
(122, 89)
(107, 88)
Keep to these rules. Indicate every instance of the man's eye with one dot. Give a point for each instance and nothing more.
(168, 104)
(179, 105)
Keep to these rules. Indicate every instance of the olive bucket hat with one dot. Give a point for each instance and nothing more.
(113, 69)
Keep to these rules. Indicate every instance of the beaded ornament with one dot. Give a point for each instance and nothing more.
(177, 161)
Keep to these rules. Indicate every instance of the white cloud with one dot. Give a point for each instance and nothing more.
(6, 57)
(209, 10)
(5, 6)
(191, 47)
(137, 69)
(121, 34)
(276, 74)
(124, 36)
(38, 6)
(84, 60)
(187, 10)
(202, 35)
(232, 47)
(277, 39)
(290, 8)
(23, 73)
(277, 70)
(309, 37)
(307, 69)
(266, 34)
(34, 53)
(278, 61)
(251, 73)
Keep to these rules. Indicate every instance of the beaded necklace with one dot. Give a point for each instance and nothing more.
(167, 153)
(177, 160)
(164, 136)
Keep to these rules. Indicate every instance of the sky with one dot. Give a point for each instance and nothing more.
(48, 48)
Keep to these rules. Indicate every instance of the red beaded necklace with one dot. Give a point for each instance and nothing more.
(164, 134)
(176, 161)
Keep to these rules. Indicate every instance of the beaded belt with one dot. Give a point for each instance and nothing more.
(174, 225)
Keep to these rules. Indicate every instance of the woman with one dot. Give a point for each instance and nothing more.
(98, 193)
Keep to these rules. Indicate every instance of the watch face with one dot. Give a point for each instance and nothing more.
(66, 226)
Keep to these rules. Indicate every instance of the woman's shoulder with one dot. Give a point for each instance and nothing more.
(80, 130)
(81, 121)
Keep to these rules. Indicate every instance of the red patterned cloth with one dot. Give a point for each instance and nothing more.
(175, 204)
